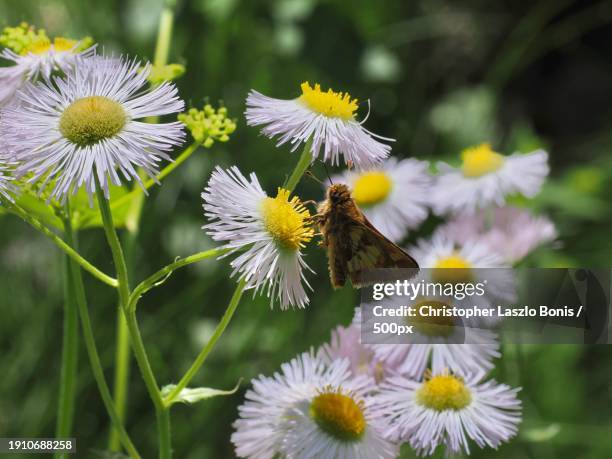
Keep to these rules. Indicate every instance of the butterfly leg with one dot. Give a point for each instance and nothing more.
(310, 202)
(317, 219)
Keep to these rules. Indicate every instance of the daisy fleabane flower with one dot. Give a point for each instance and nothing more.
(327, 119)
(346, 343)
(445, 260)
(440, 251)
(81, 129)
(269, 231)
(311, 410)
(36, 55)
(446, 410)
(510, 231)
(394, 195)
(6, 186)
(485, 178)
(438, 341)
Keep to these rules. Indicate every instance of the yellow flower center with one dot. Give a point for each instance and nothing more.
(431, 321)
(330, 103)
(371, 188)
(287, 220)
(338, 415)
(454, 269)
(444, 392)
(480, 160)
(42, 45)
(91, 119)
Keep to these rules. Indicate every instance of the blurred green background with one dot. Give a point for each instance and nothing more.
(441, 75)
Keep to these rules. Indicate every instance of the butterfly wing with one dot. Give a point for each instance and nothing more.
(370, 250)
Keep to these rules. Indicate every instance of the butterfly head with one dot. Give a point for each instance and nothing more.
(338, 194)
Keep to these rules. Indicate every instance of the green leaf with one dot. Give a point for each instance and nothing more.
(541, 434)
(87, 215)
(38, 207)
(197, 394)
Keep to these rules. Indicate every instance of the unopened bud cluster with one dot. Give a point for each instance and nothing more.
(208, 125)
(20, 38)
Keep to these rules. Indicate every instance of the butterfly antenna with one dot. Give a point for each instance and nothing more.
(327, 172)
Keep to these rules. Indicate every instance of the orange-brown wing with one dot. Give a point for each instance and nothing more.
(370, 250)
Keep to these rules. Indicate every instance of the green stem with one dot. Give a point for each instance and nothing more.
(201, 358)
(124, 299)
(122, 374)
(165, 439)
(115, 247)
(134, 332)
(132, 223)
(153, 280)
(164, 33)
(302, 165)
(136, 198)
(73, 254)
(70, 352)
(163, 422)
(142, 359)
(162, 175)
(121, 348)
(94, 358)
